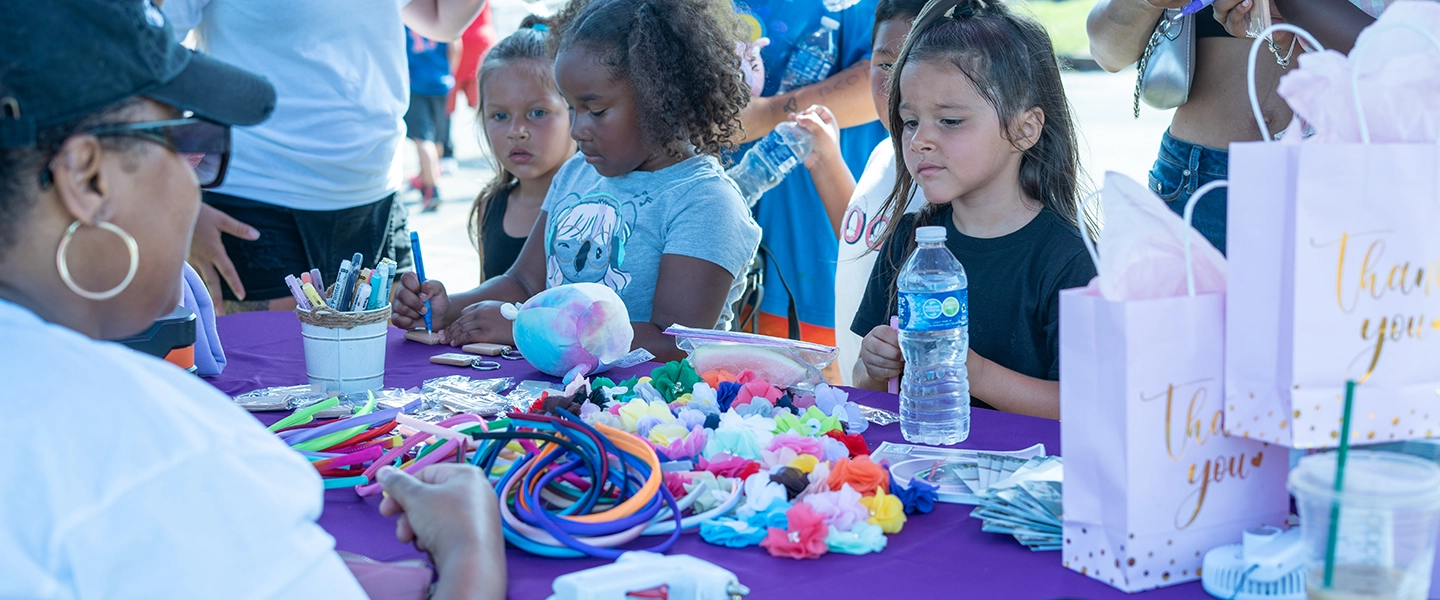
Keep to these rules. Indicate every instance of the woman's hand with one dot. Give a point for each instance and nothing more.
(451, 512)
(820, 122)
(480, 322)
(880, 354)
(408, 307)
(1235, 16)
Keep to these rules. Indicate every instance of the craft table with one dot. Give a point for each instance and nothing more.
(940, 555)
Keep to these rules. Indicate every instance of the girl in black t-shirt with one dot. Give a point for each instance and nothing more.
(527, 126)
(982, 126)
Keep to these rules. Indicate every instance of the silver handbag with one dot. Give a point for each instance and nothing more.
(1164, 72)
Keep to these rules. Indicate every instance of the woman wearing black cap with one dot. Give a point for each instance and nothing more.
(137, 479)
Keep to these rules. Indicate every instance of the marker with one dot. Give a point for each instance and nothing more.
(317, 281)
(1193, 7)
(362, 297)
(377, 283)
(895, 381)
(346, 268)
(420, 272)
(388, 282)
(299, 294)
(353, 281)
(314, 297)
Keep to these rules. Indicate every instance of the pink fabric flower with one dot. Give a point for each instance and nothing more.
(690, 447)
(841, 509)
(725, 465)
(675, 482)
(805, 537)
(758, 388)
(799, 443)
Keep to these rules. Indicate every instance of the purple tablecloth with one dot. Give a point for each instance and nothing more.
(940, 555)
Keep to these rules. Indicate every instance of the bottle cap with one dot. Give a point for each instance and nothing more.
(929, 234)
(829, 23)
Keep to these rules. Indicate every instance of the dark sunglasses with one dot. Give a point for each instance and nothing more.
(204, 144)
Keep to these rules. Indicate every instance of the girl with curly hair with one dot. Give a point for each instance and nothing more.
(655, 90)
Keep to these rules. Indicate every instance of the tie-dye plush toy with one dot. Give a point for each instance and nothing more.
(574, 329)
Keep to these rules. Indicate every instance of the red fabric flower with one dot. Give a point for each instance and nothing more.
(853, 442)
(758, 388)
(804, 538)
(861, 473)
(725, 465)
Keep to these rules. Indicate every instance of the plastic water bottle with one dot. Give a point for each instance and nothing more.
(934, 338)
(771, 159)
(811, 60)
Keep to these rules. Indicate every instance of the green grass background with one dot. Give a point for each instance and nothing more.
(1065, 20)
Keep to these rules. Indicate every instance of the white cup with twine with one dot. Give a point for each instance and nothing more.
(345, 351)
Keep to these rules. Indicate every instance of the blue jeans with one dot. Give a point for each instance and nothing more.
(1183, 167)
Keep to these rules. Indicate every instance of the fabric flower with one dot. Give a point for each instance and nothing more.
(787, 404)
(674, 379)
(773, 460)
(863, 539)
(772, 516)
(758, 407)
(645, 390)
(836, 403)
(645, 424)
(760, 493)
(702, 484)
(690, 417)
(804, 538)
(626, 389)
(758, 388)
(805, 463)
(841, 508)
(685, 448)
(819, 480)
(664, 434)
(918, 497)
(736, 441)
(799, 443)
(631, 412)
(793, 479)
(715, 377)
(832, 449)
(886, 511)
(675, 482)
(731, 533)
(853, 441)
(725, 465)
(725, 394)
(804, 401)
(862, 474)
(703, 399)
(810, 423)
(592, 414)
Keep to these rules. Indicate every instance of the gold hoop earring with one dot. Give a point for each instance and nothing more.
(63, 266)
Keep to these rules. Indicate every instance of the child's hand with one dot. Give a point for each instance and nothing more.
(880, 353)
(408, 307)
(820, 122)
(480, 322)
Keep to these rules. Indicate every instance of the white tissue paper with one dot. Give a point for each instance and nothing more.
(1142, 247)
(1399, 82)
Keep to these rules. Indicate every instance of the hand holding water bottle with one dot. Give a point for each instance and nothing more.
(825, 136)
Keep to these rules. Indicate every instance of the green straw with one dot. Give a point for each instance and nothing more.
(1339, 484)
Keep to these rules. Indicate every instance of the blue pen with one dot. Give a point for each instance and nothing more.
(420, 272)
(1194, 7)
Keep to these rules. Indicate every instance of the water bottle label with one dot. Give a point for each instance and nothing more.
(778, 153)
(934, 311)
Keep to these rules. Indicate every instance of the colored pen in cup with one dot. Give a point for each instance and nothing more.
(294, 285)
(895, 381)
(420, 272)
(317, 281)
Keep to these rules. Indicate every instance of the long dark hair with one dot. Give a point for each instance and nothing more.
(1009, 59)
(528, 43)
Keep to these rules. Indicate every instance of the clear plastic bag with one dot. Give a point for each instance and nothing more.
(784, 363)
(285, 397)
(461, 394)
(1259, 18)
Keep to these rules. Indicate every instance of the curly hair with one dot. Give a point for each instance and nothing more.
(678, 55)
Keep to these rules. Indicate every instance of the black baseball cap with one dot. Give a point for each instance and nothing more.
(61, 60)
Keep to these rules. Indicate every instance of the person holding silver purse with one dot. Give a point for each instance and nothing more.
(1196, 65)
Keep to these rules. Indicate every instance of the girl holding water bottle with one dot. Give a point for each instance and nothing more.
(981, 124)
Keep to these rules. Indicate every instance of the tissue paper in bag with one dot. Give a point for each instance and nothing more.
(1151, 480)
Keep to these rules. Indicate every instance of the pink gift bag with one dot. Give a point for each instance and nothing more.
(1151, 480)
(1334, 275)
